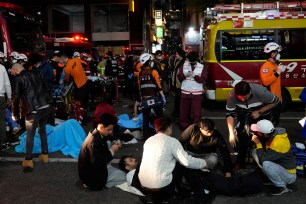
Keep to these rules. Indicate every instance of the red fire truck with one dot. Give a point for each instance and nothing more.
(234, 42)
(19, 31)
(69, 45)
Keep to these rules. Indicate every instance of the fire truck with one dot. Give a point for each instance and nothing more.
(19, 31)
(234, 38)
(69, 45)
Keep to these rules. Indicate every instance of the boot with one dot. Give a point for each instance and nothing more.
(27, 166)
(43, 158)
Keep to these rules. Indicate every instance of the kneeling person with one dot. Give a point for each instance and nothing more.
(95, 156)
(276, 157)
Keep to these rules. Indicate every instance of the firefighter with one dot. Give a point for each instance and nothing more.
(149, 86)
(270, 76)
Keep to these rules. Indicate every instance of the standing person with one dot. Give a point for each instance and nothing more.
(112, 70)
(162, 67)
(149, 86)
(5, 89)
(31, 88)
(95, 156)
(192, 75)
(163, 162)
(74, 69)
(128, 69)
(246, 104)
(202, 140)
(57, 65)
(179, 61)
(275, 156)
(270, 76)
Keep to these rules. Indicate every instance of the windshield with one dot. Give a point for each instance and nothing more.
(25, 34)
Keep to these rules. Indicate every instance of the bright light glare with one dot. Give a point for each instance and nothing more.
(191, 30)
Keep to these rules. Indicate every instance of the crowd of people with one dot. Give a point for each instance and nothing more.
(168, 162)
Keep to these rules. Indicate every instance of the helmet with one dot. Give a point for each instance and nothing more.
(2, 55)
(145, 57)
(22, 57)
(14, 54)
(76, 55)
(83, 54)
(271, 47)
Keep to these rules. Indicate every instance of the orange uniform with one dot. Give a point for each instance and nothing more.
(75, 69)
(270, 78)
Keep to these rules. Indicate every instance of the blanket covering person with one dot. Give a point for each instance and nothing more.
(67, 137)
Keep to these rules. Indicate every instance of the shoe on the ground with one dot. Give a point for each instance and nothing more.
(16, 130)
(5, 146)
(27, 166)
(279, 190)
(43, 158)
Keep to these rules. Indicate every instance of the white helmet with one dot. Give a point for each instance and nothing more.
(14, 54)
(2, 55)
(271, 47)
(22, 57)
(76, 55)
(145, 57)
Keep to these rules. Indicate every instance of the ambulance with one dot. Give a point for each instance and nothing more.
(19, 31)
(234, 39)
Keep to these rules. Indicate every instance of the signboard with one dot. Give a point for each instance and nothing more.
(158, 17)
(159, 32)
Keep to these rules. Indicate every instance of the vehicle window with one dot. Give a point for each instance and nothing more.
(25, 34)
(245, 45)
(293, 43)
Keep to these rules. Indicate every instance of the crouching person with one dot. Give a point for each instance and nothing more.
(95, 156)
(275, 157)
(164, 162)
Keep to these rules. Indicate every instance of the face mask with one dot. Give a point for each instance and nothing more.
(277, 58)
(159, 57)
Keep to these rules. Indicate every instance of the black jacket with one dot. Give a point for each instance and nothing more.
(32, 90)
(93, 159)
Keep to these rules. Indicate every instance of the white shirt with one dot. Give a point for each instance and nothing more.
(160, 154)
(5, 85)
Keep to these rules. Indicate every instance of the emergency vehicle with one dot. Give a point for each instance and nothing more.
(235, 36)
(19, 31)
(69, 45)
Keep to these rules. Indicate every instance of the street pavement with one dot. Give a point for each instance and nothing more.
(57, 181)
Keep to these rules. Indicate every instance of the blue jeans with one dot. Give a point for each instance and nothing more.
(9, 120)
(277, 174)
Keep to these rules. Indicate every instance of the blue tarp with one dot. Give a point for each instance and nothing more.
(67, 137)
(125, 121)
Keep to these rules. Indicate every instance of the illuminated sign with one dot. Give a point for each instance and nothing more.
(159, 32)
(158, 17)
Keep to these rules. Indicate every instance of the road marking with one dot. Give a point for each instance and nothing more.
(51, 160)
(284, 118)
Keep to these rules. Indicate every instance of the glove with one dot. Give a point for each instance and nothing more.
(164, 99)
(280, 68)
(189, 73)
(130, 76)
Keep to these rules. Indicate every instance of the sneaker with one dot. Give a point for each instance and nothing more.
(279, 190)
(15, 130)
(5, 146)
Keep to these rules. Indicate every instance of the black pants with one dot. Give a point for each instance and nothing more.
(82, 94)
(158, 110)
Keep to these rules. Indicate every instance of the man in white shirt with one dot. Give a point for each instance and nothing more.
(5, 88)
(164, 161)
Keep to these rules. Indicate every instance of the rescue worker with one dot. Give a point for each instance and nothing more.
(270, 76)
(76, 55)
(57, 65)
(149, 86)
(192, 75)
(162, 67)
(75, 70)
(111, 67)
(84, 56)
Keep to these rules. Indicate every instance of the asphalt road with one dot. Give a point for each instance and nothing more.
(57, 181)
